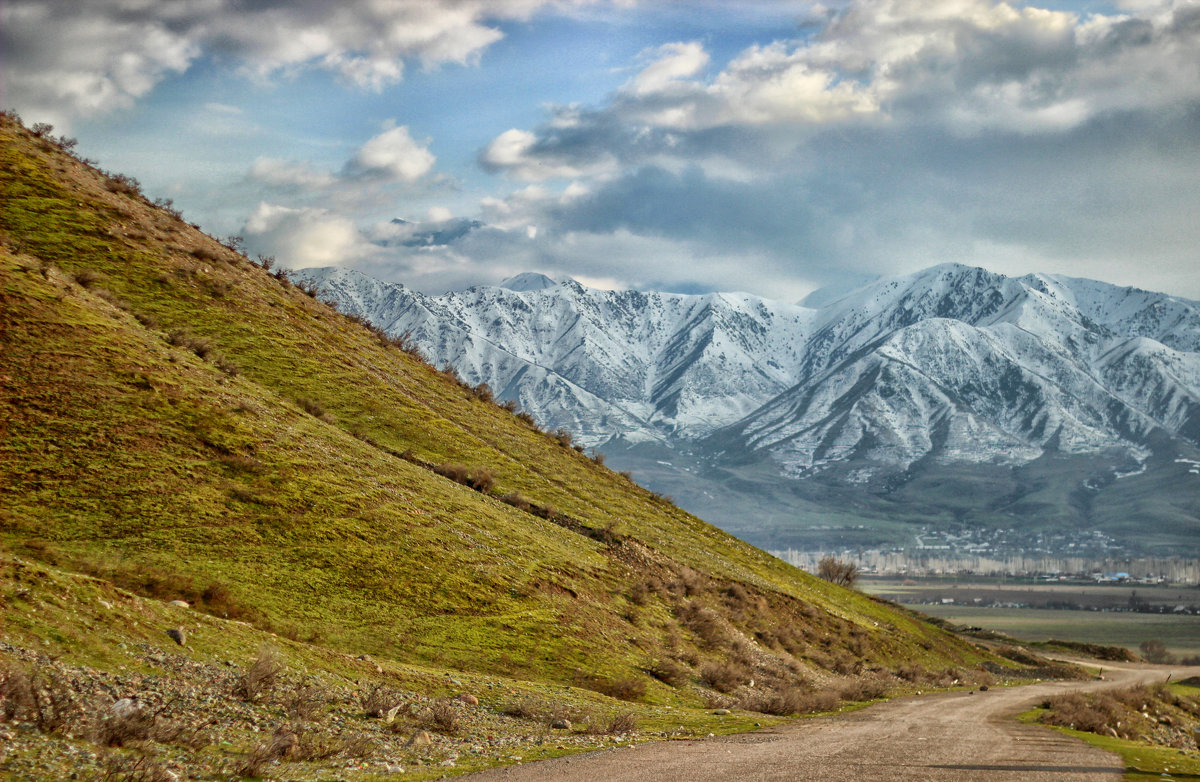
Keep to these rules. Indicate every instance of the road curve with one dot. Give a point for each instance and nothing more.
(950, 736)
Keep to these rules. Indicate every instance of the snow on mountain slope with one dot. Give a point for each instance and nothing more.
(641, 365)
(950, 364)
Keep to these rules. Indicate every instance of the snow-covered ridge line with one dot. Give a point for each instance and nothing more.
(951, 363)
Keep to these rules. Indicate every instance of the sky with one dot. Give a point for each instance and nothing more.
(772, 147)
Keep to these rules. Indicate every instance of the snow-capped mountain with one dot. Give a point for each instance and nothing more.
(645, 366)
(943, 369)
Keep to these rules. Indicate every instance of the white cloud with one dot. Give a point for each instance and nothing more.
(393, 154)
(290, 174)
(71, 59)
(65, 58)
(675, 62)
(306, 236)
(970, 66)
(514, 152)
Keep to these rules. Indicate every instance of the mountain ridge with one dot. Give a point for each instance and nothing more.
(951, 364)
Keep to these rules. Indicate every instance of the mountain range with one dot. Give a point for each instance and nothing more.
(953, 399)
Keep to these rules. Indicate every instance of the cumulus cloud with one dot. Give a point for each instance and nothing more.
(67, 58)
(303, 237)
(971, 66)
(393, 154)
(63, 59)
(898, 134)
(392, 157)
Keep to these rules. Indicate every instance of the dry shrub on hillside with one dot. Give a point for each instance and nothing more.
(623, 723)
(198, 345)
(46, 699)
(669, 672)
(1097, 713)
(378, 700)
(482, 480)
(17, 697)
(837, 571)
(135, 768)
(440, 716)
(867, 687)
(262, 675)
(705, 623)
(516, 499)
(726, 676)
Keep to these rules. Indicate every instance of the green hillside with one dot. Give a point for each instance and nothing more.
(181, 423)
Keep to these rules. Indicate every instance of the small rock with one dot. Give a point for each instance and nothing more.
(123, 707)
(390, 715)
(468, 699)
(106, 604)
(181, 604)
(721, 712)
(420, 739)
(178, 635)
(561, 724)
(983, 688)
(395, 769)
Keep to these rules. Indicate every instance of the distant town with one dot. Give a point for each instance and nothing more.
(1090, 557)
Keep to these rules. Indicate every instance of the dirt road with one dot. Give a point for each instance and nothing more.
(952, 736)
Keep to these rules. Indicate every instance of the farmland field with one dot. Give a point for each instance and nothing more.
(1032, 621)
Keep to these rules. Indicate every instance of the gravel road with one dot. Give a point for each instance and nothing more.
(952, 736)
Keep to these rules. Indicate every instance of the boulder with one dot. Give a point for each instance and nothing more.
(178, 635)
(561, 724)
(468, 699)
(419, 739)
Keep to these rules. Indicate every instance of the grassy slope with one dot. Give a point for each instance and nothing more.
(124, 451)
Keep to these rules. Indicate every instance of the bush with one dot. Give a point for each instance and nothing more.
(724, 677)
(515, 499)
(124, 185)
(626, 688)
(668, 672)
(790, 700)
(1155, 651)
(622, 723)
(440, 716)
(864, 688)
(705, 623)
(198, 345)
(482, 480)
(837, 571)
(262, 675)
